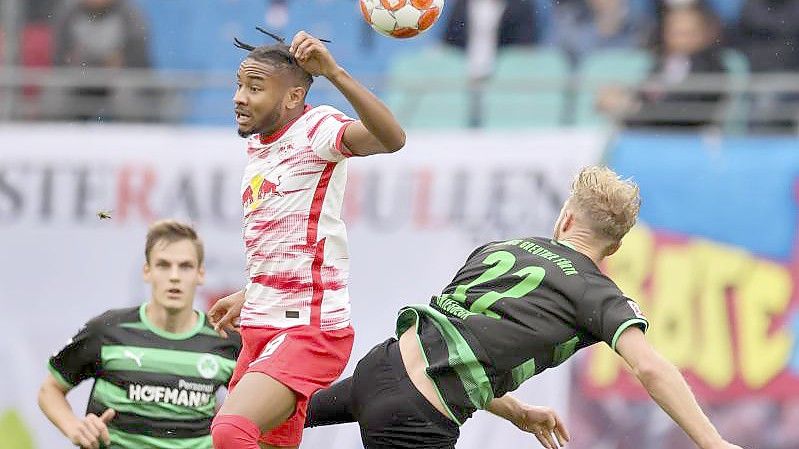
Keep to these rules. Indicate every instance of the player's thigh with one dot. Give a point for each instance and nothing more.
(390, 411)
(261, 399)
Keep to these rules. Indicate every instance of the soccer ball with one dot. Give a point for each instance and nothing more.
(401, 18)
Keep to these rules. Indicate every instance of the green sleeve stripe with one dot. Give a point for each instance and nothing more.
(523, 372)
(167, 361)
(427, 365)
(121, 439)
(171, 405)
(469, 370)
(59, 377)
(624, 326)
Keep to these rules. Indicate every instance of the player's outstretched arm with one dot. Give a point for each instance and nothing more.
(88, 432)
(668, 388)
(377, 131)
(542, 422)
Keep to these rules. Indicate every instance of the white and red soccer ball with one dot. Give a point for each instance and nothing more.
(401, 18)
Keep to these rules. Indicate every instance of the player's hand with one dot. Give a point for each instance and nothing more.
(725, 445)
(92, 431)
(224, 312)
(545, 424)
(312, 55)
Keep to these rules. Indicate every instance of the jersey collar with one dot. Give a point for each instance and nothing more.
(566, 244)
(171, 335)
(269, 138)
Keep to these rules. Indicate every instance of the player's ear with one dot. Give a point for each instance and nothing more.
(146, 272)
(201, 275)
(612, 249)
(295, 97)
(568, 221)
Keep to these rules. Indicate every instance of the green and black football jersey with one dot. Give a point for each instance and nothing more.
(162, 385)
(513, 310)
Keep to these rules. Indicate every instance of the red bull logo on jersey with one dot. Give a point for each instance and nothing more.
(258, 190)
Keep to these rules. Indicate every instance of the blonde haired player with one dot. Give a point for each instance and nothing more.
(295, 309)
(516, 308)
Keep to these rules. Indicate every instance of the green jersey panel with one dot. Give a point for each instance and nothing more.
(515, 309)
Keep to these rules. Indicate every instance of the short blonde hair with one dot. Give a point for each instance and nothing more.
(172, 231)
(608, 204)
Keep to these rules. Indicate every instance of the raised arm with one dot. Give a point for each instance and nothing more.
(668, 388)
(377, 131)
(542, 422)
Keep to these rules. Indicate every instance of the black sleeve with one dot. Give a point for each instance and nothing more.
(80, 358)
(604, 312)
(332, 405)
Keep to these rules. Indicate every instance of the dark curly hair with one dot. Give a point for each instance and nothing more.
(278, 56)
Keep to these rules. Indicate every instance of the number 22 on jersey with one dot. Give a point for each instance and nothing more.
(500, 263)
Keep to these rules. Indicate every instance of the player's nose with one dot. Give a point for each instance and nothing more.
(239, 98)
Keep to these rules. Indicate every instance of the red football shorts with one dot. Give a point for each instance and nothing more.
(303, 358)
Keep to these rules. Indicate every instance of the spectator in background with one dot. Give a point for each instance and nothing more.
(688, 47)
(582, 26)
(662, 7)
(100, 34)
(769, 34)
(480, 27)
(37, 11)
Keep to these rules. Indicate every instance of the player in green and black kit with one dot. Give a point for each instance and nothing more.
(156, 367)
(515, 309)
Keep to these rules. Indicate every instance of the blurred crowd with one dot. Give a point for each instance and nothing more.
(83, 34)
(686, 39)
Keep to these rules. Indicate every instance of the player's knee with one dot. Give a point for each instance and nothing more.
(234, 432)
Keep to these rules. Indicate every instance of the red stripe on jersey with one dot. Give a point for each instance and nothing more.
(277, 134)
(339, 144)
(318, 287)
(318, 201)
(315, 127)
(285, 282)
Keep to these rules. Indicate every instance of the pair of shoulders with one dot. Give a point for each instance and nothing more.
(131, 318)
(587, 276)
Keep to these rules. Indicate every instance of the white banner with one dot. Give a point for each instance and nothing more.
(413, 217)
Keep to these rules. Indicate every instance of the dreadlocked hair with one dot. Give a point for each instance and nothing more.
(278, 56)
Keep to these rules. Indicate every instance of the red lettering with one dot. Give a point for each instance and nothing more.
(133, 191)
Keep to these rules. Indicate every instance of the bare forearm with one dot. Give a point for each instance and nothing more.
(55, 406)
(506, 407)
(374, 115)
(668, 388)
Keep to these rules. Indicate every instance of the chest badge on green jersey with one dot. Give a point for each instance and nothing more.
(207, 366)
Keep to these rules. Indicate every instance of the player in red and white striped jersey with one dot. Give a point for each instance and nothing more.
(294, 311)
